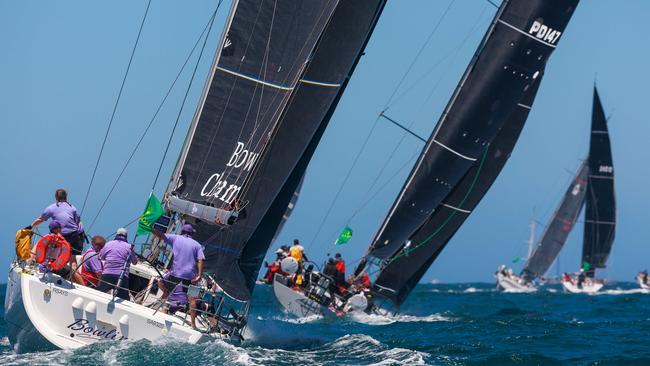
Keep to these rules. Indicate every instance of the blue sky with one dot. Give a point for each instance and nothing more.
(62, 64)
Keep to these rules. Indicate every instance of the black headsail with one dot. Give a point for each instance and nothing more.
(258, 67)
(306, 118)
(600, 207)
(558, 229)
(509, 59)
(404, 270)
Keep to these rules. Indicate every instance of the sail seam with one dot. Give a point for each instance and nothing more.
(454, 151)
(524, 106)
(526, 34)
(457, 209)
(331, 85)
(259, 81)
(601, 177)
(603, 132)
(600, 222)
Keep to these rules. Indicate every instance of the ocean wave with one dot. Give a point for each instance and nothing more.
(377, 319)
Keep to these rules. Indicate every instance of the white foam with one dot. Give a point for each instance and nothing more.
(377, 319)
(619, 291)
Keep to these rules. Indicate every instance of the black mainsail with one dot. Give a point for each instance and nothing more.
(270, 155)
(600, 206)
(256, 71)
(403, 271)
(509, 59)
(559, 227)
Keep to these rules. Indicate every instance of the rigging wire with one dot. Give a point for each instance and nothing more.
(153, 118)
(187, 92)
(388, 104)
(117, 101)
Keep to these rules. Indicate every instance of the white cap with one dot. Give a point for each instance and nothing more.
(121, 231)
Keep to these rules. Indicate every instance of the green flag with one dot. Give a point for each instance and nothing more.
(516, 259)
(153, 211)
(345, 236)
(586, 266)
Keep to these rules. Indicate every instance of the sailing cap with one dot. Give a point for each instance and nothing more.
(121, 231)
(337, 255)
(187, 228)
(279, 251)
(54, 225)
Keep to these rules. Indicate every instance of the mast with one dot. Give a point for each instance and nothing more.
(600, 207)
(508, 61)
(531, 237)
(559, 227)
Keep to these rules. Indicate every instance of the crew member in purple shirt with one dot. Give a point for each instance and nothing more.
(187, 257)
(117, 256)
(66, 215)
(92, 267)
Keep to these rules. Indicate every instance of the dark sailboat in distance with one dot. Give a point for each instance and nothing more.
(600, 206)
(593, 187)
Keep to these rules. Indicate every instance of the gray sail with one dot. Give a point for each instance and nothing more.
(559, 227)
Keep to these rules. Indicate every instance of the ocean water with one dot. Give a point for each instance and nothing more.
(456, 324)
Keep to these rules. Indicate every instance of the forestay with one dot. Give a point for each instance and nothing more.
(509, 59)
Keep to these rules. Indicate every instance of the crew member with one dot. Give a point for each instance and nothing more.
(55, 228)
(297, 251)
(66, 214)
(92, 267)
(117, 255)
(187, 257)
(274, 267)
(340, 263)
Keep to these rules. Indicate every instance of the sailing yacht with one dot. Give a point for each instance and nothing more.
(593, 186)
(600, 207)
(462, 158)
(272, 86)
